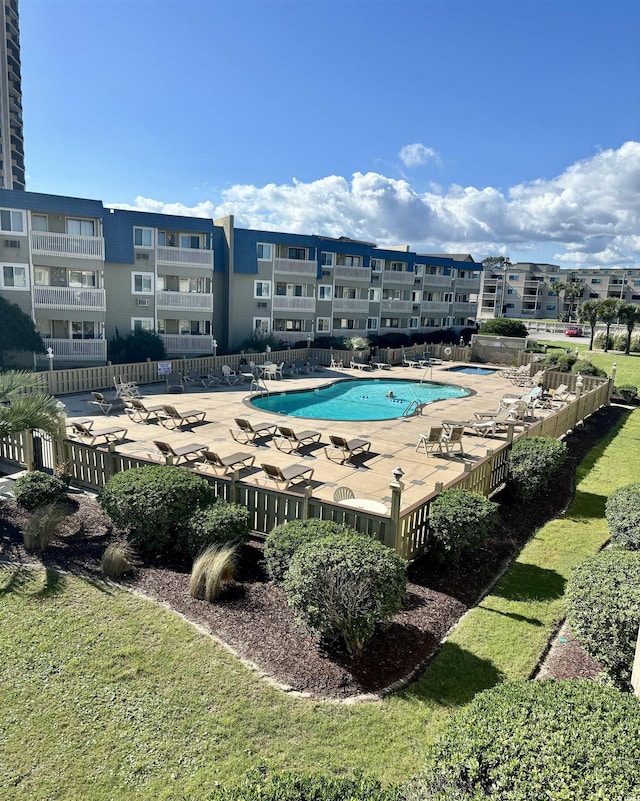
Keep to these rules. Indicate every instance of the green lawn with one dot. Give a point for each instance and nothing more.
(104, 695)
(627, 367)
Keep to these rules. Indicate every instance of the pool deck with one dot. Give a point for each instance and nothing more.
(393, 442)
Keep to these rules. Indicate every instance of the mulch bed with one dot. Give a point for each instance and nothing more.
(254, 619)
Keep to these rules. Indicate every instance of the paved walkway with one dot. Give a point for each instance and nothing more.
(393, 441)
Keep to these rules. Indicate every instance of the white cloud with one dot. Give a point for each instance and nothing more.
(587, 215)
(416, 155)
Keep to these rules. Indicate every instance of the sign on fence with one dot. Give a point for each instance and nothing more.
(164, 368)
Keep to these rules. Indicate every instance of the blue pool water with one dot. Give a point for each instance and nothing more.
(472, 370)
(365, 399)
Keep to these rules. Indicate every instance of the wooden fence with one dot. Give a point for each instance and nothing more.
(406, 530)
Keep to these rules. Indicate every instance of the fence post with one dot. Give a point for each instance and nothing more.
(438, 487)
(233, 488)
(511, 427)
(396, 487)
(28, 450)
(111, 461)
(308, 492)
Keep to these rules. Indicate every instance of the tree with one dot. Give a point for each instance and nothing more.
(574, 290)
(17, 331)
(22, 409)
(503, 327)
(589, 313)
(558, 287)
(629, 314)
(609, 311)
(138, 346)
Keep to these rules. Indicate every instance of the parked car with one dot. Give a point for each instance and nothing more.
(573, 331)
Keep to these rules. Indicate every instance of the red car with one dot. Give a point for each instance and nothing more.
(573, 332)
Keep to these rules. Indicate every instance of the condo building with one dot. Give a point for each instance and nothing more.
(11, 131)
(84, 272)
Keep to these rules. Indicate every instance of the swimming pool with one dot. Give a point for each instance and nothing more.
(364, 399)
(472, 370)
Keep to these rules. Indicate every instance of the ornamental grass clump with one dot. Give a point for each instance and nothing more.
(459, 521)
(212, 570)
(533, 463)
(622, 512)
(42, 527)
(283, 541)
(118, 559)
(344, 585)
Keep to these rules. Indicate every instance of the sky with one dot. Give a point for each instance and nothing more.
(490, 127)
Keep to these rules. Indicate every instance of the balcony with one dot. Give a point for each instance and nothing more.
(293, 336)
(389, 306)
(67, 298)
(46, 243)
(469, 284)
(188, 344)
(189, 301)
(350, 305)
(434, 307)
(287, 303)
(391, 277)
(347, 333)
(467, 309)
(295, 267)
(185, 257)
(352, 274)
(438, 280)
(75, 351)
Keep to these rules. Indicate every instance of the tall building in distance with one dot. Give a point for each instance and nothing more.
(11, 133)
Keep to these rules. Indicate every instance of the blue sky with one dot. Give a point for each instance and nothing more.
(485, 126)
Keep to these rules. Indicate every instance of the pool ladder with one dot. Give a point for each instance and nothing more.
(414, 408)
(258, 385)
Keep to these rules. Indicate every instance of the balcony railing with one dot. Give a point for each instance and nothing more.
(434, 306)
(75, 350)
(391, 277)
(185, 257)
(438, 280)
(400, 306)
(190, 301)
(187, 343)
(292, 336)
(352, 332)
(67, 298)
(465, 308)
(46, 243)
(359, 306)
(287, 303)
(345, 273)
(472, 284)
(295, 267)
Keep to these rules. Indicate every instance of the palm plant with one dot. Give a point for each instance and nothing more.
(574, 290)
(609, 311)
(629, 314)
(589, 313)
(22, 408)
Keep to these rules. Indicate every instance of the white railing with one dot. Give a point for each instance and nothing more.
(346, 305)
(438, 280)
(295, 267)
(187, 343)
(347, 333)
(436, 306)
(352, 274)
(391, 277)
(75, 350)
(287, 303)
(191, 301)
(472, 284)
(389, 305)
(465, 308)
(46, 243)
(185, 257)
(68, 298)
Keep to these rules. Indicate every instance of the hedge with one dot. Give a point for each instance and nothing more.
(533, 462)
(622, 512)
(37, 489)
(460, 520)
(218, 524)
(284, 540)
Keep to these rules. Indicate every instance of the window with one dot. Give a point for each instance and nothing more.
(14, 276)
(372, 324)
(81, 227)
(142, 283)
(288, 325)
(415, 296)
(143, 237)
(328, 259)
(413, 322)
(418, 269)
(11, 221)
(323, 325)
(390, 322)
(511, 291)
(264, 251)
(374, 295)
(85, 329)
(39, 222)
(41, 276)
(142, 323)
(297, 253)
(376, 265)
(82, 278)
(396, 266)
(551, 307)
(190, 241)
(262, 289)
(261, 324)
(596, 281)
(325, 292)
(348, 261)
(513, 278)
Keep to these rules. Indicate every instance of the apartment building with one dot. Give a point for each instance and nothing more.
(11, 130)
(525, 290)
(84, 272)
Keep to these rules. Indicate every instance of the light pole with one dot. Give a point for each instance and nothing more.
(50, 357)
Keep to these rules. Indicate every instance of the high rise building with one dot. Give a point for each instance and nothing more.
(11, 134)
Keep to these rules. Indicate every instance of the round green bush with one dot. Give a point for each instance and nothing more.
(603, 608)
(460, 520)
(39, 489)
(155, 504)
(284, 540)
(218, 524)
(622, 512)
(584, 367)
(504, 327)
(528, 741)
(625, 392)
(533, 462)
(344, 585)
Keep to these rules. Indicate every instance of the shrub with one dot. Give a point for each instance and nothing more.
(155, 504)
(460, 520)
(118, 559)
(584, 367)
(603, 608)
(38, 489)
(622, 512)
(283, 541)
(533, 461)
(625, 392)
(344, 585)
(137, 346)
(217, 524)
(521, 741)
(260, 786)
(40, 530)
(212, 569)
(504, 327)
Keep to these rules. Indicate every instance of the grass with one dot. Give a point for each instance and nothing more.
(104, 695)
(627, 367)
